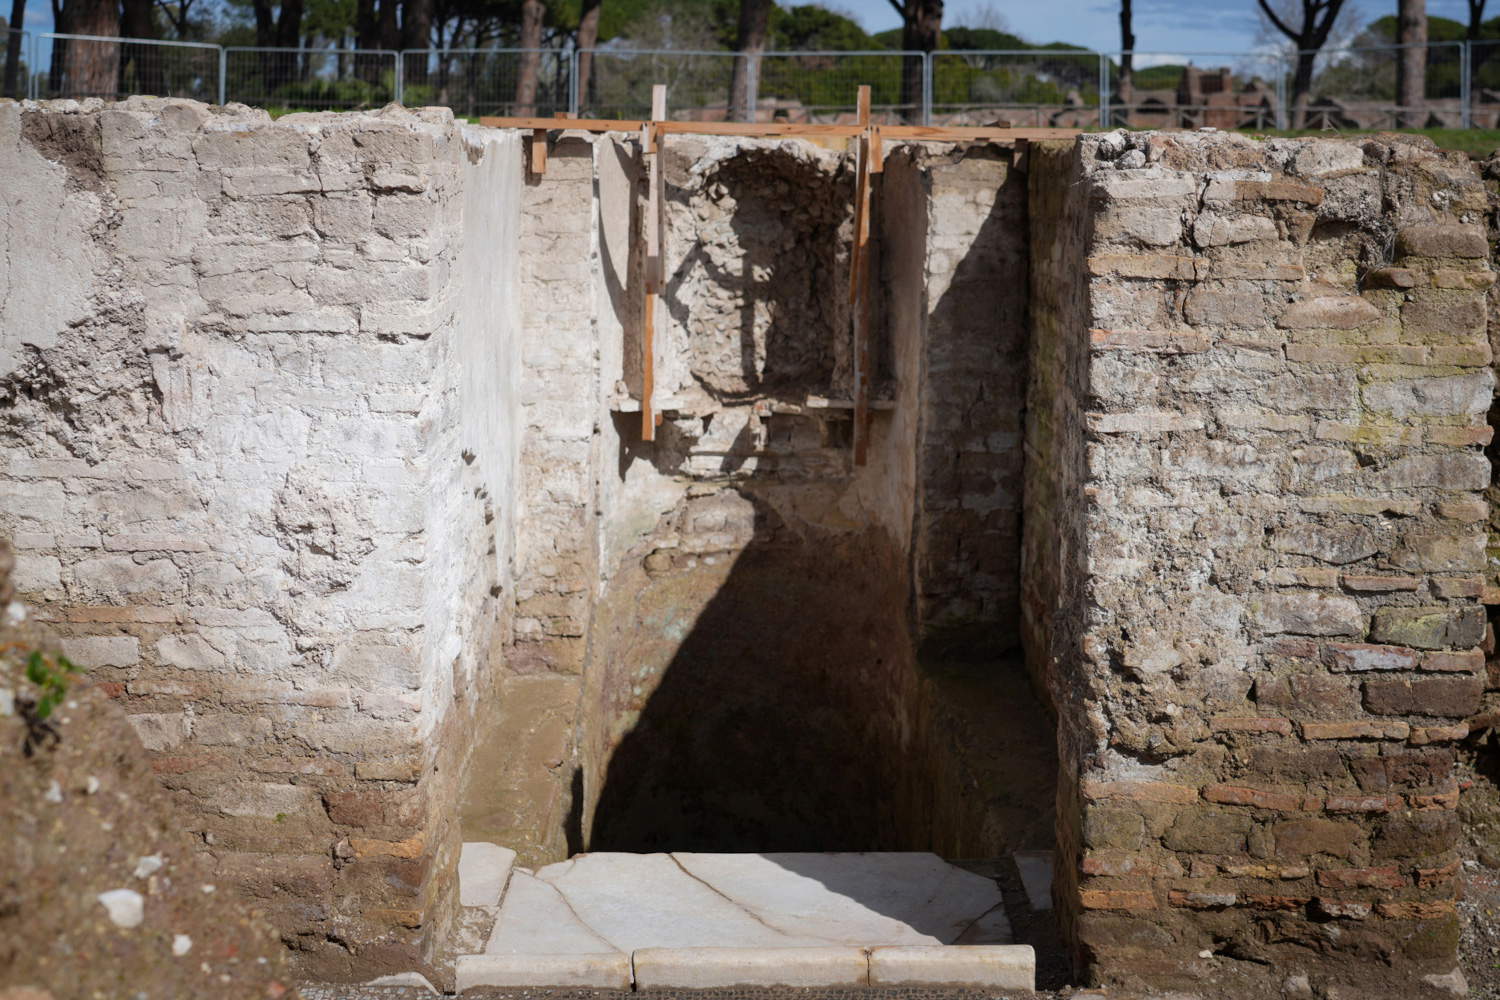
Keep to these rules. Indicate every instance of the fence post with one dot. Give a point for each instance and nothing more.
(401, 77)
(575, 99)
(1465, 89)
(926, 88)
(223, 75)
(1103, 90)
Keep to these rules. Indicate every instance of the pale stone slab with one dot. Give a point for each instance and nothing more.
(710, 968)
(992, 928)
(535, 920)
(851, 898)
(607, 971)
(638, 901)
(1036, 877)
(483, 871)
(1009, 967)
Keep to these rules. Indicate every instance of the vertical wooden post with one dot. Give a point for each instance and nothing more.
(650, 143)
(859, 280)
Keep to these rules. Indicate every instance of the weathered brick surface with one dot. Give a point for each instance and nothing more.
(271, 509)
(1248, 571)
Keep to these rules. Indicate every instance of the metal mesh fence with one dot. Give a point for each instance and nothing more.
(475, 82)
(823, 86)
(1339, 89)
(619, 83)
(1356, 88)
(311, 79)
(79, 66)
(1224, 90)
(1054, 87)
(15, 75)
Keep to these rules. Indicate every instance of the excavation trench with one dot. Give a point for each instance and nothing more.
(781, 650)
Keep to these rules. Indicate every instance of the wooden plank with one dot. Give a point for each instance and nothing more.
(579, 124)
(892, 133)
(754, 130)
(648, 369)
(539, 152)
(650, 147)
(859, 297)
(862, 105)
(961, 133)
(877, 151)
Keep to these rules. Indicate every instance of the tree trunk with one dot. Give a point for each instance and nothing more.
(755, 21)
(1411, 67)
(416, 34)
(922, 23)
(13, 51)
(91, 69)
(1476, 19)
(1125, 92)
(365, 37)
(1302, 87)
(532, 12)
(588, 37)
(143, 69)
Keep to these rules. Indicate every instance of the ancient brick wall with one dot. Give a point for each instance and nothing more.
(967, 550)
(1265, 647)
(259, 466)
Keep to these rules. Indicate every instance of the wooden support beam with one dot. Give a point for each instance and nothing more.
(862, 105)
(859, 277)
(538, 152)
(877, 151)
(891, 133)
(650, 148)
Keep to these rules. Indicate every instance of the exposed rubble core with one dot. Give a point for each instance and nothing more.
(324, 453)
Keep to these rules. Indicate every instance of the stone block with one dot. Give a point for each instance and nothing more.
(608, 970)
(1310, 614)
(103, 650)
(1003, 967)
(1455, 697)
(1361, 657)
(1337, 544)
(1208, 832)
(1429, 627)
(1328, 312)
(1214, 229)
(722, 968)
(1438, 240)
(1444, 396)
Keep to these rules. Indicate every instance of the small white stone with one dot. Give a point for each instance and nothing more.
(54, 792)
(7, 701)
(181, 944)
(127, 908)
(206, 888)
(148, 865)
(91, 785)
(15, 614)
(1206, 953)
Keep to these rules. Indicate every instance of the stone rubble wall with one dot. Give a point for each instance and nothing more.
(1260, 380)
(259, 421)
(973, 386)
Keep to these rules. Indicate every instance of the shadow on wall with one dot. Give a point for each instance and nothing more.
(754, 681)
(765, 717)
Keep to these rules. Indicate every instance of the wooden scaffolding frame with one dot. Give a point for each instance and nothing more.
(870, 141)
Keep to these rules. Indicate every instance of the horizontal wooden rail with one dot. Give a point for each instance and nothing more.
(890, 133)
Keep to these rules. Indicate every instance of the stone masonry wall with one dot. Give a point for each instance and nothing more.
(1264, 651)
(973, 382)
(259, 452)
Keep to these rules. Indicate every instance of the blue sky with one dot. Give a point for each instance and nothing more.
(1162, 26)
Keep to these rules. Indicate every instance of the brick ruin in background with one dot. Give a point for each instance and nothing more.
(319, 452)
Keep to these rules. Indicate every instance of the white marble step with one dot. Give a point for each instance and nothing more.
(697, 920)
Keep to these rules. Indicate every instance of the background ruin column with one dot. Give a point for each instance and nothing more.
(1254, 544)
